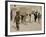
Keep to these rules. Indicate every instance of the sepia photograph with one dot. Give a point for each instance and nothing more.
(25, 18)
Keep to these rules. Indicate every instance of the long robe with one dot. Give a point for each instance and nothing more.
(32, 17)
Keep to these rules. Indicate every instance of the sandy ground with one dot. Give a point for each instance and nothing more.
(32, 26)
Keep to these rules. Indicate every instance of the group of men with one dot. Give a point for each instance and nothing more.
(17, 18)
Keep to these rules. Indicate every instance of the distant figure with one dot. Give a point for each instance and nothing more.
(11, 14)
(39, 17)
(35, 16)
(30, 17)
(27, 18)
(22, 17)
(17, 19)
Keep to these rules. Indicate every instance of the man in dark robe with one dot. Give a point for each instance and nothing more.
(35, 16)
(17, 19)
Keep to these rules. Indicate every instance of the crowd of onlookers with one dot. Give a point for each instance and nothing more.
(23, 18)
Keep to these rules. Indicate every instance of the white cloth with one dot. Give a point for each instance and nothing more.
(27, 18)
(32, 18)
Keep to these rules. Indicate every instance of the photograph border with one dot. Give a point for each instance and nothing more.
(6, 18)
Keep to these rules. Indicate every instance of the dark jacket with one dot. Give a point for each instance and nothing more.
(17, 18)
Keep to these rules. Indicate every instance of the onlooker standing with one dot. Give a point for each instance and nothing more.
(35, 16)
(39, 17)
(22, 17)
(11, 14)
(30, 17)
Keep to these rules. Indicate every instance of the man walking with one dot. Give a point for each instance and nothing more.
(17, 19)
